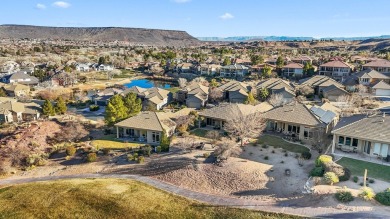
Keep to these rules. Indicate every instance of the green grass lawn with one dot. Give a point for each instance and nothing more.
(173, 89)
(357, 167)
(108, 198)
(111, 142)
(199, 132)
(280, 143)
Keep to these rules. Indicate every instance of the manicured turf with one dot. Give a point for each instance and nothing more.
(199, 132)
(110, 141)
(108, 198)
(280, 143)
(357, 167)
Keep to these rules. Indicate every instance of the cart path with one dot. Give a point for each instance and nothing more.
(322, 212)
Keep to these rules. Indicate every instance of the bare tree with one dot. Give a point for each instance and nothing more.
(182, 122)
(201, 80)
(277, 100)
(182, 82)
(215, 95)
(214, 135)
(306, 90)
(71, 131)
(245, 126)
(226, 148)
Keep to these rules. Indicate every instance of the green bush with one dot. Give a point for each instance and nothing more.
(383, 197)
(158, 149)
(317, 171)
(147, 149)
(135, 156)
(141, 159)
(367, 193)
(355, 179)
(331, 178)
(130, 157)
(344, 196)
(266, 158)
(70, 150)
(343, 173)
(371, 181)
(91, 157)
(323, 159)
(94, 108)
(306, 155)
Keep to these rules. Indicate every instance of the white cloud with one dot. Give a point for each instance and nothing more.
(181, 1)
(226, 16)
(40, 6)
(61, 4)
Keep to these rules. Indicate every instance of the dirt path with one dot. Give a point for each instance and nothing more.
(220, 200)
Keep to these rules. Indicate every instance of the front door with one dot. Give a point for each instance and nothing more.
(367, 147)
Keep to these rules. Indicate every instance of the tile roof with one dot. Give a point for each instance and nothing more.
(145, 120)
(337, 64)
(319, 80)
(373, 128)
(234, 86)
(378, 63)
(228, 111)
(369, 73)
(296, 113)
(382, 85)
(293, 65)
(275, 84)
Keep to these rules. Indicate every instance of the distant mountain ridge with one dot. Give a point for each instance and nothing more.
(286, 38)
(143, 36)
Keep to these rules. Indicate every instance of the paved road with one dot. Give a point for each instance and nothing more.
(215, 199)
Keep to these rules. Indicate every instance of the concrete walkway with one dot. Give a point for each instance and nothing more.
(321, 212)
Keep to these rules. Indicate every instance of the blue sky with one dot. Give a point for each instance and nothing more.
(325, 18)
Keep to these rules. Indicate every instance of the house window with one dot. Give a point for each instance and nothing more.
(289, 128)
(355, 142)
(155, 137)
(348, 141)
(130, 132)
(341, 140)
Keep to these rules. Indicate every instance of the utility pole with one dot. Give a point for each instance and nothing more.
(365, 178)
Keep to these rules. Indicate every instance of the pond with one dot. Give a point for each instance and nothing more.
(146, 83)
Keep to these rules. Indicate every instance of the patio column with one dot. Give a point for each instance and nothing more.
(117, 132)
(333, 143)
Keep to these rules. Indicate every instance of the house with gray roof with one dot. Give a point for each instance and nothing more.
(278, 86)
(381, 89)
(12, 111)
(235, 91)
(332, 93)
(146, 127)
(20, 77)
(367, 135)
(319, 83)
(298, 120)
(195, 95)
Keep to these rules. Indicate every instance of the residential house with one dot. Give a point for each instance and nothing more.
(333, 93)
(102, 67)
(319, 82)
(233, 71)
(153, 98)
(9, 67)
(258, 69)
(101, 98)
(302, 60)
(17, 90)
(82, 67)
(337, 70)
(366, 135)
(381, 66)
(184, 68)
(293, 70)
(195, 95)
(278, 86)
(146, 127)
(297, 120)
(20, 77)
(217, 116)
(366, 77)
(381, 89)
(209, 69)
(235, 91)
(12, 111)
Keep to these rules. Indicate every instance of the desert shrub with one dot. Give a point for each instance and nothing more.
(342, 173)
(317, 171)
(323, 159)
(70, 150)
(91, 157)
(135, 156)
(4, 168)
(371, 180)
(306, 155)
(367, 193)
(68, 157)
(206, 155)
(106, 151)
(158, 149)
(273, 151)
(147, 149)
(344, 196)
(286, 154)
(331, 178)
(130, 157)
(94, 108)
(383, 197)
(266, 158)
(355, 179)
(141, 159)
(264, 146)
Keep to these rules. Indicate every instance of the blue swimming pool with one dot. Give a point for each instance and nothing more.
(146, 83)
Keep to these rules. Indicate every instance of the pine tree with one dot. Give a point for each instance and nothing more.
(165, 142)
(264, 93)
(60, 107)
(213, 83)
(115, 110)
(279, 62)
(266, 71)
(48, 109)
(250, 99)
(227, 61)
(133, 104)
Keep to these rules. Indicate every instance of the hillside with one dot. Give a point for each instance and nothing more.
(132, 35)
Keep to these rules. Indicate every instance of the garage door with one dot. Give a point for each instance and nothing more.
(382, 92)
